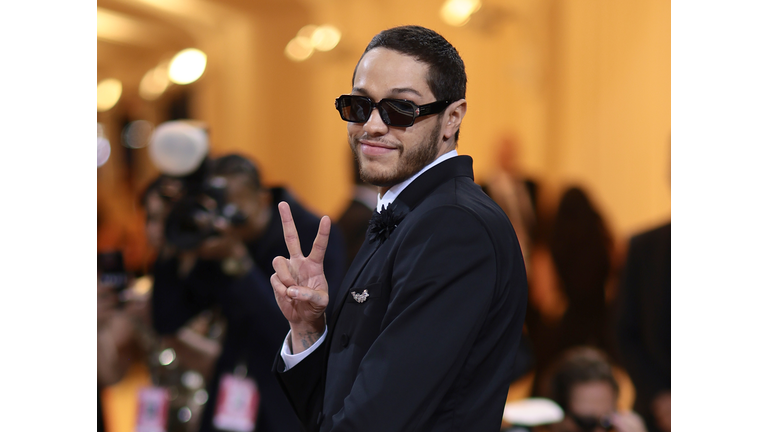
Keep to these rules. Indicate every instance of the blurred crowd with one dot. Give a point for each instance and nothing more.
(187, 318)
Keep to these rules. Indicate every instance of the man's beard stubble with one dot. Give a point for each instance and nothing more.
(409, 163)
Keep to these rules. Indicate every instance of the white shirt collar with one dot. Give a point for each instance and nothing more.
(395, 190)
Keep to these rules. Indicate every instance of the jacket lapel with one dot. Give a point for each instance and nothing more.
(407, 200)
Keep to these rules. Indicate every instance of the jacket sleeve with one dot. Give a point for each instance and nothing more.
(303, 386)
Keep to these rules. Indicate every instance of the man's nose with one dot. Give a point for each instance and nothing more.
(375, 125)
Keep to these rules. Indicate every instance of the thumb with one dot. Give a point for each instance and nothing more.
(316, 298)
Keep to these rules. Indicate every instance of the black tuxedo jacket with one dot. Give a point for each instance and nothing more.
(432, 346)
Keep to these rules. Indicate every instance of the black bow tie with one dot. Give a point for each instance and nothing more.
(383, 223)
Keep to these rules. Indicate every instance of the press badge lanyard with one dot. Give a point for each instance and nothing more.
(237, 402)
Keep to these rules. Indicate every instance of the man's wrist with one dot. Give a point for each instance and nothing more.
(304, 335)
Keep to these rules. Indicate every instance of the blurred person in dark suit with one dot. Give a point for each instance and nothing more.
(231, 270)
(581, 381)
(644, 323)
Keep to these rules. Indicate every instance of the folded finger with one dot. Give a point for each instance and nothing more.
(283, 271)
(279, 288)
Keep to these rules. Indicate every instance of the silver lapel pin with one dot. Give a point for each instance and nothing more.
(360, 297)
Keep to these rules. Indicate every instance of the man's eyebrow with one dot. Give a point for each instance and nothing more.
(405, 90)
(393, 91)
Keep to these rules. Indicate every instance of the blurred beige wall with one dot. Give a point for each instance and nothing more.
(582, 87)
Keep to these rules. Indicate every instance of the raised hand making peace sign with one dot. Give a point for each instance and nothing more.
(301, 289)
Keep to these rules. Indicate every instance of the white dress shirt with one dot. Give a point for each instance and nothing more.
(383, 202)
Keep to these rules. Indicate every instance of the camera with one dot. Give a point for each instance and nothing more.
(193, 217)
(111, 271)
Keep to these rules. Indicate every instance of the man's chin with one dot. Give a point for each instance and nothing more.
(380, 181)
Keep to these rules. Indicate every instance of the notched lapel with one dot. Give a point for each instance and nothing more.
(361, 259)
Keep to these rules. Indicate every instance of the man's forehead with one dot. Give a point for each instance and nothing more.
(382, 69)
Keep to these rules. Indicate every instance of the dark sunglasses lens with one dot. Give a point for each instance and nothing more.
(354, 109)
(397, 113)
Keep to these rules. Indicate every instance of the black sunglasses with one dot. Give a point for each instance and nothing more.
(393, 112)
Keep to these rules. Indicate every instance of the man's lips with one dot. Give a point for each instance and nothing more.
(373, 148)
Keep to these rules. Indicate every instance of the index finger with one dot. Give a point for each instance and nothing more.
(289, 230)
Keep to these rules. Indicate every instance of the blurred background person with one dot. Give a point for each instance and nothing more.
(571, 272)
(182, 362)
(353, 223)
(221, 238)
(644, 324)
(581, 381)
(514, 193)
(121, 313)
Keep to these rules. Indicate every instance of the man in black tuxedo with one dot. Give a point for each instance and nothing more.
(645, 324)
(428, 319)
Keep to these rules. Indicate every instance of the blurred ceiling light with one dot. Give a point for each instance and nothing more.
(197, 11)
(154, 82)
(187, 66)
(108, 93)
(310, 38)
(299, 48)
(307, 31)
(458, 12)
(325, 38)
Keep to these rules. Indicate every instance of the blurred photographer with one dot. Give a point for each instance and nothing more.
(220, 239)
(582, 383)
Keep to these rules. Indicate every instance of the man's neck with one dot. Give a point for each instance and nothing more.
(387, 195)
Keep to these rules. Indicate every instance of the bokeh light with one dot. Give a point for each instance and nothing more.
(103, 149)
(307, 31)
(325, 38)
(299, 48)
(201, 397)
(310, 38)
(187, 66)
(458, 12)
(108, 92)
(185, 414)
(192, 380)
(154, 82)
(167, 356)
(136, 134)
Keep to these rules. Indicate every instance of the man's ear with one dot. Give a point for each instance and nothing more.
(454, 114)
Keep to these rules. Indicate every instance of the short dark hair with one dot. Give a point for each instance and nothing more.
(446, 78)
(577, 366)
(235, 164)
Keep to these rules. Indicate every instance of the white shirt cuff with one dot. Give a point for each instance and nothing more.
(291, 359)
